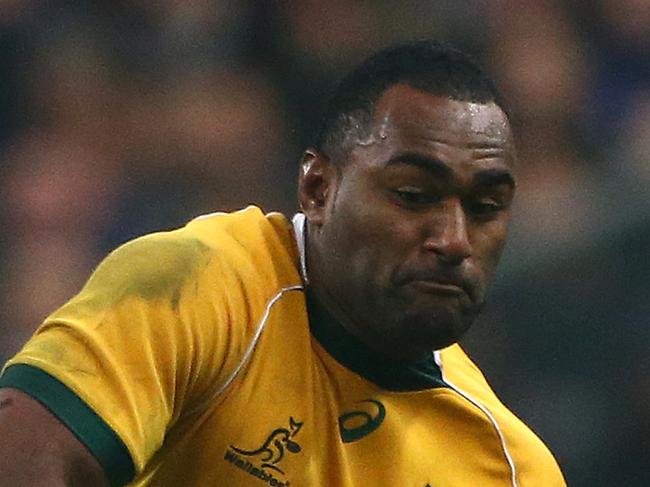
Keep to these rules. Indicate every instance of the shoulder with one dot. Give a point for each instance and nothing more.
(458, 368)
(259, 245)
(245, 243)
(246, 231)
(534, 462)
(151, 266)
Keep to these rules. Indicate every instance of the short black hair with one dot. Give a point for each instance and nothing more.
(431, 66)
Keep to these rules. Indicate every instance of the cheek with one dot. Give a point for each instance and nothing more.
(488, 245)
(370, 235)
(373, 235)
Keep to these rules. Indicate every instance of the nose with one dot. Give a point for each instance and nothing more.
(448, 236)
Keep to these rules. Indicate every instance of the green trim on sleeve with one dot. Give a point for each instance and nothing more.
(105, 445)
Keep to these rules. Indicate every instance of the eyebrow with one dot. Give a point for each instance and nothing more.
(494, 177)
(487, 177)
(429, 164)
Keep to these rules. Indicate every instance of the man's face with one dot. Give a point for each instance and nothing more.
(412, 224)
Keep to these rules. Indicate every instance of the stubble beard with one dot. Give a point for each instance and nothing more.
(421, 331)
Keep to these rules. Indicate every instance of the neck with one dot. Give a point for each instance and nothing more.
(388, 373)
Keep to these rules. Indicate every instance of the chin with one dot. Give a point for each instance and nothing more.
(437, 329)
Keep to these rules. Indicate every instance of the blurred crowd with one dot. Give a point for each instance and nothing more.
(129, 116)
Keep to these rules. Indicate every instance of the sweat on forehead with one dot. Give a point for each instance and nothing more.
(405, 118)
(407, 108)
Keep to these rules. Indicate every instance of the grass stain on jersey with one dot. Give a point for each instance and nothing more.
(151, 268)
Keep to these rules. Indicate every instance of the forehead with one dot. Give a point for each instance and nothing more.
(408, 119)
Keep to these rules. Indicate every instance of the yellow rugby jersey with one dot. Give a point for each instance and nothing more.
(190, 359)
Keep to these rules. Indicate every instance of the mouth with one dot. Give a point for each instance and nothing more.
(437, 283)
(437, 287)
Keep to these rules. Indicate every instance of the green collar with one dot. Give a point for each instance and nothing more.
(390, 374)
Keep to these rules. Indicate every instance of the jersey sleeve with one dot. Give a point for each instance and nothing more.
(157, 329)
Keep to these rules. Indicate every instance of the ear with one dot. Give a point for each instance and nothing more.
(316, 182)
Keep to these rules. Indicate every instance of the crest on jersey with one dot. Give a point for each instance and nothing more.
(258, 461)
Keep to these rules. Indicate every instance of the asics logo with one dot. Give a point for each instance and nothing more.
(356, 424)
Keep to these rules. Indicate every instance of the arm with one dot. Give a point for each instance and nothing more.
(38, 450)
(147, 339)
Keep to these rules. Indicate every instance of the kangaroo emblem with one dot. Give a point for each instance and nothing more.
(272, 450)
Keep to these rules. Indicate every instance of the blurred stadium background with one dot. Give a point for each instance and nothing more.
(127, 116)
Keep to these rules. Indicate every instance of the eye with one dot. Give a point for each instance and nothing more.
(486, 208)
(414, 196)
